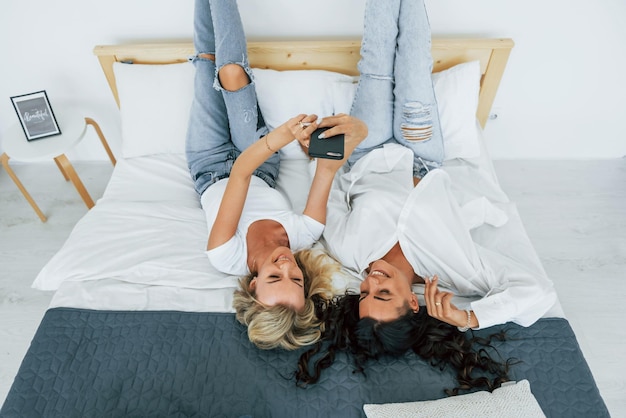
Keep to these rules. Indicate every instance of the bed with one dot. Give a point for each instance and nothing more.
(141, 324)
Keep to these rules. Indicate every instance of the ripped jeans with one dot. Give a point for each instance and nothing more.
(222, 123)
(395, 95)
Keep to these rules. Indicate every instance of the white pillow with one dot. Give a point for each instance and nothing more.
(155, 101)
(511, 400)
(456, 90)
(154, 107)
(285, 94)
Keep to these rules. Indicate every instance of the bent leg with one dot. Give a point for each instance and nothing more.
(416, 117)
(213, 142)
(209, 150)
(231, 59)
(373, 101)
(235, 81)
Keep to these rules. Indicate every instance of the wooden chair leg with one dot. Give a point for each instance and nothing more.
(63, 162)
(62, 170)
(105, 144)
(5, 163)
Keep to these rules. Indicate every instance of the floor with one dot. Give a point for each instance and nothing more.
(574, 212)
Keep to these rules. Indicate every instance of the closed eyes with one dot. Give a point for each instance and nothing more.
(275, 279)
(380, 292)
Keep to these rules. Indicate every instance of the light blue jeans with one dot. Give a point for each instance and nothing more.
(395, 95)
(222, 123)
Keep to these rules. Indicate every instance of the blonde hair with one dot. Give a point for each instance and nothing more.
(281, 326)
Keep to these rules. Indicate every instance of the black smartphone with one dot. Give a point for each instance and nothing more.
(331, 148)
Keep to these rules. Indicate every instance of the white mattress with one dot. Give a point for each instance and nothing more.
(142, 246)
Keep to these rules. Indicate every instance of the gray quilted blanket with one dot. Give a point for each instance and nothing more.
(84, 363)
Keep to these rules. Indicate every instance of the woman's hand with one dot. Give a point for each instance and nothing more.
(354, 131)
(439, 306)
(299, 127)
(302, 126)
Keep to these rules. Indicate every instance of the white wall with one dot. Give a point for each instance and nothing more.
(563, 95)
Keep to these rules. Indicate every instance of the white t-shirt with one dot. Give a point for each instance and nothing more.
(262, 202)
(375, 205)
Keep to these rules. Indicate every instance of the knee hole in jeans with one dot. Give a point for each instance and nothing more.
(417, 122)
(233, 77)
(207, 56)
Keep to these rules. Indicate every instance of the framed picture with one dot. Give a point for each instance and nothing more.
(35, 115)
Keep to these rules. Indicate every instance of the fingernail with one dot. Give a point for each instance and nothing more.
(321, 136)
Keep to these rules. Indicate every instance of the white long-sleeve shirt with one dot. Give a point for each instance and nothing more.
(375, 205)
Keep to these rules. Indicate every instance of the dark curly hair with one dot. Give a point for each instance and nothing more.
(439, 343)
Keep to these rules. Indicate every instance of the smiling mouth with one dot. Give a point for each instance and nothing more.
(282, 258)
(378, 273)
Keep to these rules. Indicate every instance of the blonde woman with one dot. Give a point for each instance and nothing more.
(234, 162)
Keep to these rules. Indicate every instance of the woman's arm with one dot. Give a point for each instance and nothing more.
(354, 131)
(524, 301)
(251, 158)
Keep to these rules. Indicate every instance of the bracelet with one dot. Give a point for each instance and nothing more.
(267, 144)
(469, 321)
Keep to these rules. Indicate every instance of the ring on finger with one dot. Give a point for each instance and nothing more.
(437, 303)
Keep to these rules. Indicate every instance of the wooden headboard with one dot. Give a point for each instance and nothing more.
(339, 56)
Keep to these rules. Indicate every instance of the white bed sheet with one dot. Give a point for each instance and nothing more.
(142, 246)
